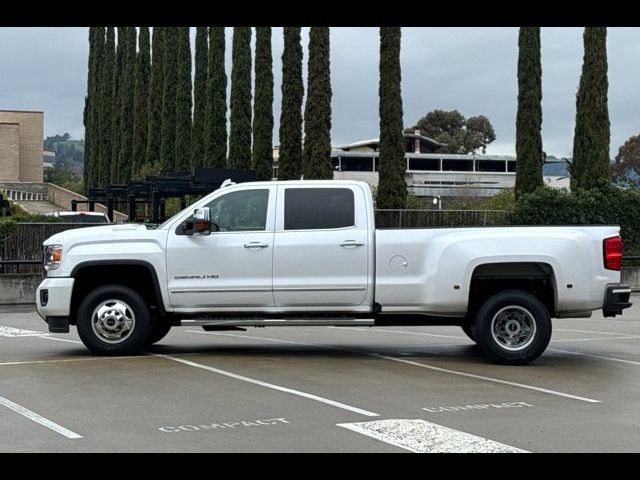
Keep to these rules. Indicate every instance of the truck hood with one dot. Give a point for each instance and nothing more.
(104, 234)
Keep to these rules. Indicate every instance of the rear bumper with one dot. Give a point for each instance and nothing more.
(616, 299)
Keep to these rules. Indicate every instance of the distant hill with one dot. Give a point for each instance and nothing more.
(69, 153)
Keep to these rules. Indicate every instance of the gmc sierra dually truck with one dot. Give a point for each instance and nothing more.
(308, 253)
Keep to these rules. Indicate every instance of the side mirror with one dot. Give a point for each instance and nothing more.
(200, 223)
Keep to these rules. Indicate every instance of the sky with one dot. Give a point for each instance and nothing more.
(472, 70)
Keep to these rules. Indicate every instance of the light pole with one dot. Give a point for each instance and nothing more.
(437, 200)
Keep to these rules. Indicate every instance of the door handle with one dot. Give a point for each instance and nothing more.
(256, 245)
(351, 243)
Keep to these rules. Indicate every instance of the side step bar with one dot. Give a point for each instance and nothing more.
(288, 322)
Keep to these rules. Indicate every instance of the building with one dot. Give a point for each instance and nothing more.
(48, 158)
(21, 151)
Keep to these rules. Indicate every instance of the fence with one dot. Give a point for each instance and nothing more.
(439, 218)
(21, 250)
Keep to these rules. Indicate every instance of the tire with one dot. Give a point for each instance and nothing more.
(159, 330)
(470, 330)
(113, 320)
(513, 327)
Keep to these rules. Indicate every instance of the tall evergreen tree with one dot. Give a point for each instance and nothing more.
(529, 117)
(156, 88)
(169, 91)
(183, 102)
(392, 188)
(316, 154)
(290, 155)
(123, 171)
(106, 109)
(263, 106)
(215, 129)
(92, 107)
(199, 97)
(240, 102)
(141, 99)
(592, 135)
(118, 80)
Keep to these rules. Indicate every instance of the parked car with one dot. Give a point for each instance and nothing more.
(81, 217)
(308, 253)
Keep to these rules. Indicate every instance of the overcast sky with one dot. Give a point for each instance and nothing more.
(472, 70)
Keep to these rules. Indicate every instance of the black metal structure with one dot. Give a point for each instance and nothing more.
(154, 190)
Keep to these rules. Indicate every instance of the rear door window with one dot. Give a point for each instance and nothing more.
(318, 208)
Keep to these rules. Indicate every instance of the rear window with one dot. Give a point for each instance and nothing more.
(318, 208)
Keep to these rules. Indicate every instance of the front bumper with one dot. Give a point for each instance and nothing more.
(53, 302)
(616, 299)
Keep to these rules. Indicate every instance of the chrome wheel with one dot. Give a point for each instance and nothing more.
(113, 321)
(513, 328)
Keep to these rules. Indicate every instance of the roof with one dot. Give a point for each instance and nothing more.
(376, 141)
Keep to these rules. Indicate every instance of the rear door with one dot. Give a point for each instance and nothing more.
(320, 247)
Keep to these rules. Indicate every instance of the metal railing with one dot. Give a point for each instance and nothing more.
(386, 218)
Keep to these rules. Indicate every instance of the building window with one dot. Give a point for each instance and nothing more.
(511, 166)
(490, 166)
(457, 165)
(357, 164)
(431, 164)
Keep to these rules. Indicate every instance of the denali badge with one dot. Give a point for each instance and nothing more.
(195, 277)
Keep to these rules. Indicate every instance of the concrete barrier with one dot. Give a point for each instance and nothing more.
(18, 289)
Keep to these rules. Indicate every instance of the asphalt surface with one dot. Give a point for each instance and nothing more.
(320, 389)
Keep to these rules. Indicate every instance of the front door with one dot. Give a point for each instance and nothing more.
(232, 267)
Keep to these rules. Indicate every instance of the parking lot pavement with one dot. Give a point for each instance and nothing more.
(342, 389)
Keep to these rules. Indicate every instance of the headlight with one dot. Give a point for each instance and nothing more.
(52, 257)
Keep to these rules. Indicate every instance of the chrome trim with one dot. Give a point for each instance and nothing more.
(621, 290)
(222, 290)
(294, 322)
(319, 289)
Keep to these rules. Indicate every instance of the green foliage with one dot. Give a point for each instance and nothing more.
(392, 188)
(118, 81)
(290, 155)
(106, 110)
(505, 200)
(240, 102)
(92, 105)
(141, 99)
(460, 134)
(591, 161)
(626, 169)
(215, 130)
(262, 161)
(199, 97)
(529, 116)
(168, 127)
(316, 154)
(64, 177)
(603, 205)
(183, 103)
(122, 172)
(154, 106)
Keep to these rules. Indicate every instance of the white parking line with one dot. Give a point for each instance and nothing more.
(420, 436)
(424, 365)
(620, 360)
(61, 339)
(629, 337)
(18, 332)
(25, 412)
(271, 386)
(591, 331)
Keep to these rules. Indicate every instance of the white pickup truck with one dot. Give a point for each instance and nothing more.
(308, 253)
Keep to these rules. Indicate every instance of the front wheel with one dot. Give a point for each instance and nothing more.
(113, 320)
(513, 327)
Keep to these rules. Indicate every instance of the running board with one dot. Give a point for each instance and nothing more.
(288, 322)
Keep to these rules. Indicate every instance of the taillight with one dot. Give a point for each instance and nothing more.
(613, 253)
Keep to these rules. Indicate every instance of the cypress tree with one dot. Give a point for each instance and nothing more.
(168, 127)
(263, 106)
(106, 109)
(199, 97)
(154, 107)
(215, 129)
(92, 107)
(118, 79)
(290, 156)
(316, 154)
(240, 102)
(592, 133)
(529, 117)
(183, 103)
(141, 99)
(392, 188)
(123, 171)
